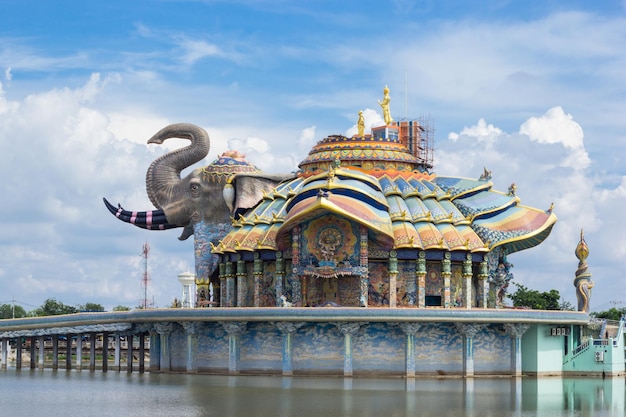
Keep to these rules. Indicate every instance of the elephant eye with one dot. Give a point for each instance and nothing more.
(195, 188)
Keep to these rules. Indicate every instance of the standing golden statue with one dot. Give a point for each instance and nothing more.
(361, 125)
(385, 106)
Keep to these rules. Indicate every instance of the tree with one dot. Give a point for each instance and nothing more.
(90, 307)
(524, 297)
(611, 314)
(9, 311)
(52, 307)
(121, 308)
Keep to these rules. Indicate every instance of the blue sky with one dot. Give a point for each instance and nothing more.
(533, 90)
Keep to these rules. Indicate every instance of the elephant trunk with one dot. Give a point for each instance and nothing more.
(164, 173)
(151, 220)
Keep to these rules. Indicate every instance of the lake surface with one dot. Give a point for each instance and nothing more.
(61, 393)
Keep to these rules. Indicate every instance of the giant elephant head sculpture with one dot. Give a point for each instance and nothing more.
(203, 202)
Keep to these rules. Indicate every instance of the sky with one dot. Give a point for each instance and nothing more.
(533, 90)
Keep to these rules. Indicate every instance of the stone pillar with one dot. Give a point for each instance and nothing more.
(242, 287)
(410, 329)
(155, 351)
(467, 281)
(42, 353)
(483, 292)
(287, 329)
(105, 352)
(420, 278)
(142, 353)
(222, 277)
(234, 330)
(192, 328)
(117, 361)
(164, 329)
(18, 353)
(5, 353)
(230, 285)
(258, 274)
(92, 352)
(348, 329)
(515, 332)
(446, 273)
(79, 351)
(33, 352)
(55, 352)
(278, 275)
(468, 330)
(68, 352)
(364, 282)
(393, 277)
(129, 352)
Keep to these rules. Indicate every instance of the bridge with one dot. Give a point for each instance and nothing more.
(288, 341)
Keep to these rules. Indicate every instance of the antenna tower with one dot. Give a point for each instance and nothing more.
(145, 278)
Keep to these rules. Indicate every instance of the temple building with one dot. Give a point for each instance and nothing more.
(365, 223)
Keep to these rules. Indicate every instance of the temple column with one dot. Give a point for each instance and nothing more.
(446, 273)
(165, 358)
(230, 285)
(467, 281)
(348, 329)
(364, 264)
(410, 329)
(42, 353)
(469, 331)
(92, 352)
(117, 353)
(130, 339)
(79, 351)
(5, 353)
(420, 277)
(515, 332)
(234, 330)
(296, 285)
(483, 274)
(393, 277)
(105, 352)
(222, 278)
(287, 329)
(258, 274)
(155, 351)
(279, 278)
(242, 287)
(192, 329)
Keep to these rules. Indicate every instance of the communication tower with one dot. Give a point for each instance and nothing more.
(145, 278)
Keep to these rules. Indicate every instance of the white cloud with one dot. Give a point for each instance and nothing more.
(7, 74)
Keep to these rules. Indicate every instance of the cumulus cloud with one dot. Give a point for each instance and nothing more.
(557, 127)
(7, 74)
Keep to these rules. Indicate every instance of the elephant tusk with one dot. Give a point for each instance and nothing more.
(151, 220)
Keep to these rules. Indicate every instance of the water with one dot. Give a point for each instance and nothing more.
(61, 393)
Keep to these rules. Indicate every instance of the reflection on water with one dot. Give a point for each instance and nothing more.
(61, 393)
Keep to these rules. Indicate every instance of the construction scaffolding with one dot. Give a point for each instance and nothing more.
(418, 135)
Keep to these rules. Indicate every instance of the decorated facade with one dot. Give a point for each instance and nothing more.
(364, 223)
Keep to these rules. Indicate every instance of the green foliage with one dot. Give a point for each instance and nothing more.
(524, 297)
(121, 308)
(611, 314)
(90, 307)
(52, 307)
(9, 311)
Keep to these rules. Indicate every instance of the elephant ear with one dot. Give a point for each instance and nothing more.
(243, 191)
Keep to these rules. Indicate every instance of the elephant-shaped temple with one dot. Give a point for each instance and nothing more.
(362, 223)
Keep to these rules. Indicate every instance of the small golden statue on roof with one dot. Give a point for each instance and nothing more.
(385, 106)
(361, 125)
